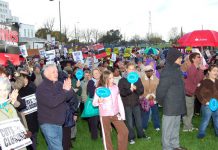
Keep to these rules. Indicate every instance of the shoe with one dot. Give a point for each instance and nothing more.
(186, 130)
(157, 129)
(147, 137)
(132, 142)
(200, 136)
(194, 129)
(180, 148)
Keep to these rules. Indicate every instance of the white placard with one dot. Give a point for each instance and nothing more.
(12, 135)
(42, 53)
(78, 56)
(50, 56)
(31, 104)
(53, 41)
(113, 57)
(208, 53)
(89, 62)
(23, 50)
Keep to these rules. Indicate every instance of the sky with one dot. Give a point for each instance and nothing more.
(131, 17)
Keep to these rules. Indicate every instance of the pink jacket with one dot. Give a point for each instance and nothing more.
(111, 105)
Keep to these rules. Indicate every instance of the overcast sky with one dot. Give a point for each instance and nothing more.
(129, 16)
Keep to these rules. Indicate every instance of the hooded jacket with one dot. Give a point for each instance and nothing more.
(170, 92)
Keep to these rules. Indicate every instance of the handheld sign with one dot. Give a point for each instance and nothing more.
(103, 92)
(31, 104)
(132, 77)
(213, 104)
(12, 135)
(79, 74)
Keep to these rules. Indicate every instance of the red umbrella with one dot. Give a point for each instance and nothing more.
(199, 38)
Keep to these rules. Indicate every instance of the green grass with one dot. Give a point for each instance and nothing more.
(188, 140)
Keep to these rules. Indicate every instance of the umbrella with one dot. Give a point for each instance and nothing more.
(199, 38)
(151, 51)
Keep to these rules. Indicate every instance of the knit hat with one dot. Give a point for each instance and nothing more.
(172, 55)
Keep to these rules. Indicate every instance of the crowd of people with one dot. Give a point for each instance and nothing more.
(180, 84)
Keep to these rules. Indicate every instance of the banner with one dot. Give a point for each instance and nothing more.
(23, 50)
(12, 135)
(14, 58)
(127, 52)
(31, 104)
(78, 56)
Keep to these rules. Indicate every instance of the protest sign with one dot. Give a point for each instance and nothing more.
(78, 56)
(50, 56)
(12, 135)
(42, 53)
(23, 50)
(113, 57)
(31, 104)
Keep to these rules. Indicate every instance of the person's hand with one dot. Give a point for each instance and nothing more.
(75, 118)
(133, 87)
(67, 84)
(78, 83)
(28, 134)
(100, 100)
(13, 96)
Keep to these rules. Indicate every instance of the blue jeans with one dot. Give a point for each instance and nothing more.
(53, 135)
(206, 115)
(155, 117)
(133, 113)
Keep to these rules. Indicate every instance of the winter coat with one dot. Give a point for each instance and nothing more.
(170, 92)
(207, 90)
(130, 98)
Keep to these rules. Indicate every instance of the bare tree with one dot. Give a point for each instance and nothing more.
(87, 35)
(173, 34)
(49, 24)
(97, 35)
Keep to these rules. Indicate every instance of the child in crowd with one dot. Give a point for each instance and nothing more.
(111, 111)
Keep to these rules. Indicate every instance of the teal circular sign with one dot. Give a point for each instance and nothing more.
(213, 104)
(79, 74)
(132, 77)
(103, 92)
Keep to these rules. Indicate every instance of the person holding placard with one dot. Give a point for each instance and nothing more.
(130, 93)
(111, 110)
(206, 92)
(7, 111)
(28, 105)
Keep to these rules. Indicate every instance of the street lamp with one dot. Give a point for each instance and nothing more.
(59, 18)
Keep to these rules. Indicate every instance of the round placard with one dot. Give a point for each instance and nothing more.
(79, 74)
(213, 104)
(132, 77)
(103, 92)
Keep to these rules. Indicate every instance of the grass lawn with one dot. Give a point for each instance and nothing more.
(188, 140)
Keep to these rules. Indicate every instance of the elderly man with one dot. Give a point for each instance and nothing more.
(51, 98)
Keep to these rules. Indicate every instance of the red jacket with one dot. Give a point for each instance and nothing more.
(194, 77)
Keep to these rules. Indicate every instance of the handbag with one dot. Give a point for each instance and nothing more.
(145, 104)
(89, 109)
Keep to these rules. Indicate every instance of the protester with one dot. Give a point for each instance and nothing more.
(130, 96)
(195, 74)
(171, 95)
(51, 97)
(27, 88)
(111, 111)
(37, 72)
(93, 122)
(207, 90)
(150, 82)
(117, 76)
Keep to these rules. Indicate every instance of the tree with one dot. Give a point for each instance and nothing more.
(154, 39)
(49, 24)
(173, 35)
(42, 33)
(111, 37)
(136, 40)
(87, 35)
(97, 35)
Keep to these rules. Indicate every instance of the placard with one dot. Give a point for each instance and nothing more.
(113, 57)
(12, 135)
(50, 56)
(23, 50)
(78, 56)
(31, 104)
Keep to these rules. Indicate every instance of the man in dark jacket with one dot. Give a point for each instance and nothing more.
(130, 96)
(51, 100)
(171, 95)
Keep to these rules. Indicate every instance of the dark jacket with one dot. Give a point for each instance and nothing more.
(31, 119)
(171, 92)
(207, 90)
(130, 98)
(51, 101)
(91, 89)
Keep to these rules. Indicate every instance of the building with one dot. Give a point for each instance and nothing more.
(5, 13)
